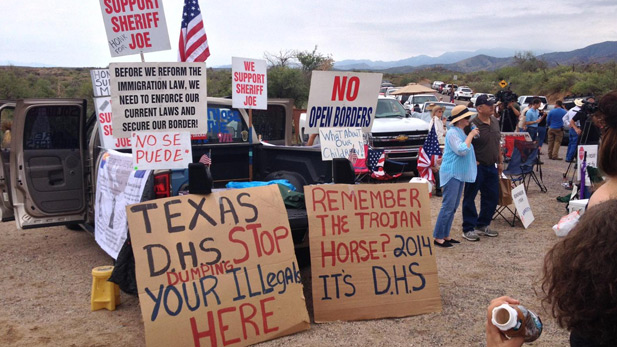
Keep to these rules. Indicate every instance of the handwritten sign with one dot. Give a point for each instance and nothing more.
(103, 117)
(372, 251)
(342, 100)
(592, 160)
(117, 186)
(162, 97)
(100, 82)
(338, 142)
(153, 150)
(249, 83)
(217, 269)
(135, 26)
(522, 205)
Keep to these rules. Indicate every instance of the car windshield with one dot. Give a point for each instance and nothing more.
(424, 98)
(388, 108)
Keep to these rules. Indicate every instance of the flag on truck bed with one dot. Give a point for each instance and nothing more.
(429, 153)
(193, 46)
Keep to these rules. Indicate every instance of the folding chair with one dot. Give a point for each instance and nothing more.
(521, 167)
(361, 170)
(503, 206)
(382, 169)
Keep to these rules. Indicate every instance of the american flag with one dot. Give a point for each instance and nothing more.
(205, 159)
(428, 154)
(376, 159)
(353, 156)
(193, 40)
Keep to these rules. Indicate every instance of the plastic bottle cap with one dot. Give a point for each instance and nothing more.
(505, 317)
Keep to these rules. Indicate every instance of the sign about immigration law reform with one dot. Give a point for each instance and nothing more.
(135, 26)
(163, 97)
(249, 83)
(217, 269)
(372, 253)
(342, 100)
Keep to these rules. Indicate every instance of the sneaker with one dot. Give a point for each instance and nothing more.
(471, 236)
(438, 192)
(486, 231)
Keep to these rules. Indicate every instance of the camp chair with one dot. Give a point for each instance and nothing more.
(522, 163)
(361, 170)
(381, 169)
(505, 200)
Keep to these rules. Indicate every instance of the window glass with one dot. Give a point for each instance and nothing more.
(52, 127)
(225, 125)
(270, 123)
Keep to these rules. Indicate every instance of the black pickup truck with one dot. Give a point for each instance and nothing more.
(50, 167)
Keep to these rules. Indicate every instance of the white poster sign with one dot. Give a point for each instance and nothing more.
(118, 185)
(135, 26)
(103, 117)
(339, 142)
(592, 160)
(342, 100)
(163, 97)
(522, 205)
(249, 83)
(155, 150)
(100, 82)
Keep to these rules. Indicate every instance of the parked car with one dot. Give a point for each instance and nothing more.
(424, 107)
(436, 84)
(525, 100)
(476, 95)
(413, 102)
(440, 87)
(462, 93)
(391, 90)
(446, 88)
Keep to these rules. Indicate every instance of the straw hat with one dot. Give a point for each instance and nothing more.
(459, 112)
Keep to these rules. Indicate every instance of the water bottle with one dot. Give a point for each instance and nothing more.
(473, 126)
(516, 320)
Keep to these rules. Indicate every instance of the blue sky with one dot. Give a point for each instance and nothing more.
(71, 32)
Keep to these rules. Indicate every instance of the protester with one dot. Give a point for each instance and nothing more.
(436, 119)
(555, 131)
(579, 281)
(457, 167)
(488, 154)
(532, 118)
(607, 153)
(573, 135)
(541, 127)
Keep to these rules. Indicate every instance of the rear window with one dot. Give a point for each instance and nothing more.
(270, 123)
(52, 127)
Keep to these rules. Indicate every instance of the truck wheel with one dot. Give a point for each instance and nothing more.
(293, 177)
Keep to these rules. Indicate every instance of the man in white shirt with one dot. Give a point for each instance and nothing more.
(573, 139)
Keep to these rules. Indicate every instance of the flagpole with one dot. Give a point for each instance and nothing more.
(250, 144)
(141, 54)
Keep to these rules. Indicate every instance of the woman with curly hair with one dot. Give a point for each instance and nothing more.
(580, 278)
(606, 119)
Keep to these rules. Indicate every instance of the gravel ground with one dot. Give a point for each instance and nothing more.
(46, 287)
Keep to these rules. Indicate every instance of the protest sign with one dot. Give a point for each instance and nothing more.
(338, 142)
(100, 82)
(592, 160)
(103, 117)
(342, 100)
(135, 26)
(371, 251)
(216, 269)
(164, 97)
(249, 83)
(117, 186)
(522, 205)
(152, 150)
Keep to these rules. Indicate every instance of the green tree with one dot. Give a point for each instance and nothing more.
(285, 82)
(314, 61)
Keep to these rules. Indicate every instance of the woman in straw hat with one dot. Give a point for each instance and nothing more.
(457, 167)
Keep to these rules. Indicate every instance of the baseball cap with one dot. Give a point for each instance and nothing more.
(484, 100)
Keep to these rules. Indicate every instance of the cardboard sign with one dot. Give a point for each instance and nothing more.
(342, 100)
(164, 97)
(592, 160)
(153, 150)
(103, 117)
(135, 26)
(522, 205)
(216, 270)
(372, 253)
(338, 143)
(249, 83)
(100, 82)
(117, 186)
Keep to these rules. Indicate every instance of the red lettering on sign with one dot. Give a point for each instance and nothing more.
(341, 89)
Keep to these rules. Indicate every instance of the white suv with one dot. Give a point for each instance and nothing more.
(462, 93)
(436, 84)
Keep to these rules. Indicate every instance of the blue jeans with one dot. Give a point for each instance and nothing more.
(573, 140)
(533, 132)
(541, 135)
(487, 183)
(451, 197)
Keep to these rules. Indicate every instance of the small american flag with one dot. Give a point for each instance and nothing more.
(428, 154)
(193, 44)
(205, 159)
(353, 156)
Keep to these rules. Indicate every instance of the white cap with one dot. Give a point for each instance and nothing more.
(512, 319)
